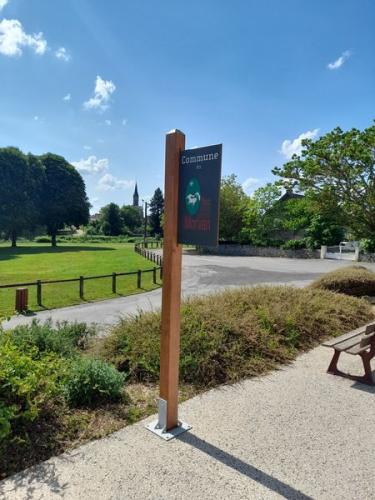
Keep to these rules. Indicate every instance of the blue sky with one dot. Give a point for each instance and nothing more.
(102, 82)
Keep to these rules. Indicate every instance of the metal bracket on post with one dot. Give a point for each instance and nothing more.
(159, 427)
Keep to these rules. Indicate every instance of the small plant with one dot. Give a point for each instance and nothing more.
(91, 381)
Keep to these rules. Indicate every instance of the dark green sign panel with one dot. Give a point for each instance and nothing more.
(199, 189)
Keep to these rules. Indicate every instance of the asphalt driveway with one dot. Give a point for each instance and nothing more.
(201, 274)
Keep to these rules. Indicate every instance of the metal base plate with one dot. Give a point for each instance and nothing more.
(168, 435)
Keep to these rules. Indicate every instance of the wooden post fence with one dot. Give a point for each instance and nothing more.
(139, 279)
(39, 293)
(81, 287)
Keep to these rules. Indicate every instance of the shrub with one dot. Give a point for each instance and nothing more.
(27, 383)
(42, 239)
(368, 245)
(235, 334)
(294, 244)
(354, 280)
(90, 381)
(64, 338)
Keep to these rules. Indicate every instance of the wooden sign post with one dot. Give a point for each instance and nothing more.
(191, 215)
(168, 426)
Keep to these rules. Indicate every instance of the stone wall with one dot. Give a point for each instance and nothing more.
(249, 250)
(367, 257)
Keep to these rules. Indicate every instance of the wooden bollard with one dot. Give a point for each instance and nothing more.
(81, 287)
(139, 279)
(39, 293)
(22, 299)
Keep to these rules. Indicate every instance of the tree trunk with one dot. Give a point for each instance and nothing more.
(14, 239)
(53, 240)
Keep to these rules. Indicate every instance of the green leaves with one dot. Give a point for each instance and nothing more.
(338, 170)
(27, 381)
(90, 381)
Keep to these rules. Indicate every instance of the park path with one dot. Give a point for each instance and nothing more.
(201, 274)
(297, 433)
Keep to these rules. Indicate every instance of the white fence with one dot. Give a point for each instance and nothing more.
(340, 252)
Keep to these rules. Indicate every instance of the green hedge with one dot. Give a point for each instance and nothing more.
(235, 334)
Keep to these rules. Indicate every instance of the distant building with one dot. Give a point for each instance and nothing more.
(94, 217)
(136, 196)
(136, 200)
(290, 195)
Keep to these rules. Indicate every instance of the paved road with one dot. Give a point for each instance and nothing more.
(297, 433)
(201, 274)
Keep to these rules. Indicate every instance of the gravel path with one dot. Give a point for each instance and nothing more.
(297, 433)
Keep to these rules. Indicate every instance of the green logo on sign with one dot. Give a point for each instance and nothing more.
(193, 196)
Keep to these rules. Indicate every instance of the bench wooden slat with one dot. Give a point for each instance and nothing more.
(346, 336)
(366, 341)
(347, 344)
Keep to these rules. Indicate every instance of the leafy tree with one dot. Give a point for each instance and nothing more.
(262, 215)
(338, 170)
(64, 200)
(20, 180)
(323, 230)
(156, 211)
(131, 218)
(270, 219)
(233, 202)
(111, 220)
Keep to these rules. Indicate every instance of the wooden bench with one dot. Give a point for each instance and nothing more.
(360, 341)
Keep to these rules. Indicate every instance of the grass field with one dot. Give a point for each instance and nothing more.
(30, 262)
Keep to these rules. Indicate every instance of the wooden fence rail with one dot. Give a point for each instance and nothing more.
(81, 280)
(144, 249)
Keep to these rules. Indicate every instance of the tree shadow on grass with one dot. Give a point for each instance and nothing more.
(8, 253)
(244, 468)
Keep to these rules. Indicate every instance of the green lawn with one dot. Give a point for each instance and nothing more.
(30, 262)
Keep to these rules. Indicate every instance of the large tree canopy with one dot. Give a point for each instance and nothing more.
(20, 182)
(131, 218)
(64, 200)
(111, 222)
(338, 171)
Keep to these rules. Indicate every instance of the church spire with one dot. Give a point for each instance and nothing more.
(136, 196)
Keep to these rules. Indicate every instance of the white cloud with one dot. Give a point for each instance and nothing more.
(339, 61)
(289, 148)
(250, 184)
(102, 94)
(13, 39)
(108, 122)
(92, 165)
(63, 54)
(109, 182)
(3, 3)
(87, 148)
(67, 97)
